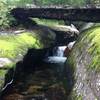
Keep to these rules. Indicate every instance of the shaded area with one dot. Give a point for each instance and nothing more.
(87, 14)
(38, 80)
(59, 38)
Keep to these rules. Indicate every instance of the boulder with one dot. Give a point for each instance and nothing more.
(4, 62)
(45, 35)
(84, 59)
(16, 44)
(67, 30)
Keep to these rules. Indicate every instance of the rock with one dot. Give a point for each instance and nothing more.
(19, 31)
(85, 61)
(69, 49)
(86, 26)
(70, 45)
(68, 30)
(4, 61)
(39, 37)
(45, 35)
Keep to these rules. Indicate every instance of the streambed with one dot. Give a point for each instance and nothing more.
(50, 80)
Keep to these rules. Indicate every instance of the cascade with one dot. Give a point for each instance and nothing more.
(57, 55)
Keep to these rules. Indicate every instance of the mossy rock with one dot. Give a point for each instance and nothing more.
(89, 43)
(2, 77)
(85, 60)
(13, 47)
(48, 22)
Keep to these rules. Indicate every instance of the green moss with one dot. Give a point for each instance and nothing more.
(10, 65)
(77, 97)
(94, 50)
(71, 61)
(2, 77)
(2, 73)
(12, 45)
(90, 40)
(74, 96)
(48, 22)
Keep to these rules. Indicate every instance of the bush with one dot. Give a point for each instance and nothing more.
(5, 17)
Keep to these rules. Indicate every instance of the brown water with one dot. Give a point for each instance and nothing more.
(50, 79)
(42, 84)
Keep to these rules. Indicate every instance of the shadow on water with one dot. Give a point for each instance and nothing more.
(35, 79)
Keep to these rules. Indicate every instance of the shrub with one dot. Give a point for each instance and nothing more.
(5, 17)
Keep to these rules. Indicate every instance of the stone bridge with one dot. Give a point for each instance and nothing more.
(70, 14)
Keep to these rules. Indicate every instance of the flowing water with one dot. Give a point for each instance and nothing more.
(58, 55)
(48, 81)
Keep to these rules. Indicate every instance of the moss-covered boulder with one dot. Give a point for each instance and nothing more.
(14, 46)
(85, 60)
(12, 49)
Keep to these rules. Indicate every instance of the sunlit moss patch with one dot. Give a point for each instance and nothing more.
(91, 39)
(12, 45)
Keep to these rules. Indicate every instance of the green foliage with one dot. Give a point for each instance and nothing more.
(5, 17)
(61, 2)
(51, 2)
(16, 3)
(22, 3)
(94, 2)
(77, 2)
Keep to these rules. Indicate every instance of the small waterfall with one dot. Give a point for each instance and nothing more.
(59, 51)
(55, 63)
(58, 55)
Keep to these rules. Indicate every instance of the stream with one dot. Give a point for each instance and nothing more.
(41, 75)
